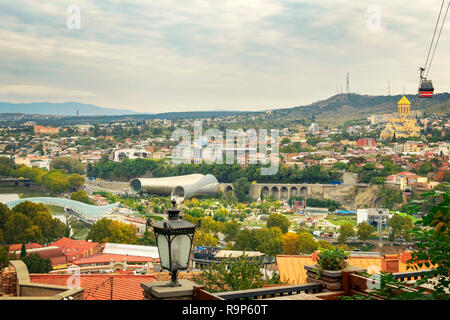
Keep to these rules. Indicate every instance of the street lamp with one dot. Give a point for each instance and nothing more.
(174, 240)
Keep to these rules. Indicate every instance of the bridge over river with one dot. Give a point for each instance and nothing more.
(86, 212)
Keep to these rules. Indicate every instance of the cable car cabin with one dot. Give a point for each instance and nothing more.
(407, 191)
(426, 89)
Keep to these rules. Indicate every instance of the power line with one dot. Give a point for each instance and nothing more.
(434, 33)
(437, 41)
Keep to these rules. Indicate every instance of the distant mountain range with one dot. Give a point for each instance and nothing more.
(63, 108)
(335, 109)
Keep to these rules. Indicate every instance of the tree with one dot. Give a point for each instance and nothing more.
(270, 241)
(4, 256)
(23, 251)
(106, 230)
(307, 243)
(278, 220)
(56, 182)
(246, 240)
(36, 264)
(400, 226)
(346, 231)
(5, 212)
(99, 231)
(81, 196)
(68, 164)
(76, 181)
(241, 187)
(364, 230)
(15, 226)
(148, 239)
(204, 239)
(234, 274)
(291, 243)
(230, 229)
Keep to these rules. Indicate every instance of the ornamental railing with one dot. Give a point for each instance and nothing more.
(270, 292)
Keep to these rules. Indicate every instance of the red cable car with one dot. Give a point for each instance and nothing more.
(426, 89)
(426, 86)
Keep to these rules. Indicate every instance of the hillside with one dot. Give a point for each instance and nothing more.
(342, 107)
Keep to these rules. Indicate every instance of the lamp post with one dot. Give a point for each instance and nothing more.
(380, 214)
(174, 240)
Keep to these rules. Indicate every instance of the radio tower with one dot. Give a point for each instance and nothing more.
(389, 87)
(348, 83)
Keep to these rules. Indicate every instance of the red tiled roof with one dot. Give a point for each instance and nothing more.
(98, 286)
(16, 247)
(77, 248)
(46, 252)
(103, 258)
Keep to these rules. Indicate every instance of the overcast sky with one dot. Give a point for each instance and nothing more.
(167, 55)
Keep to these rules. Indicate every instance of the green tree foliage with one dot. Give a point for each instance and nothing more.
(234, 274)
(31, 222)
(278, 220)
(81, 196)
(270, 241)
(333, 259)
(4, 256)
(204, 239)
(307, 243)
(241, 188)
(56, 182)
(106, 230)
(76, 181)
(266, 240)
(432, 240)
(390, 196)
(23, 251)
(68, 164)
(345, 232)
(36, 264)
(426, 168)
(147, 239)
(291, 243)
(364, 230)
(132, 168)
(400, 226)
(231, 229)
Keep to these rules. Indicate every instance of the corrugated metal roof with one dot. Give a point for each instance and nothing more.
(132, 250)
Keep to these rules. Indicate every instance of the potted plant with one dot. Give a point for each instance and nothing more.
(333, 259)
(328, 270)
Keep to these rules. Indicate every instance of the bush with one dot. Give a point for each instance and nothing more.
(333, 259)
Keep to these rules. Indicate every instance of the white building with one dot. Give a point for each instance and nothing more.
(314, 128)
(372, 214)
(122, 154)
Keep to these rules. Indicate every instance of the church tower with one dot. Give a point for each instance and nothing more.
(404, 106)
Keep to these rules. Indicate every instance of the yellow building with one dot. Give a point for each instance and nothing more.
(402, 124)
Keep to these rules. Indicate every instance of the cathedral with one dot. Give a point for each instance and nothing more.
(402, 124)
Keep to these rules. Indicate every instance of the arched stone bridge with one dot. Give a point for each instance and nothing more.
(283, 191)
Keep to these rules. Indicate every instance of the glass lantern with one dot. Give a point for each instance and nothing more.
(174, 240)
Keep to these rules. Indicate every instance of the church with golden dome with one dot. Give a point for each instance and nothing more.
(402, 124)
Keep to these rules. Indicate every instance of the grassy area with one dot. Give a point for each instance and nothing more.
(340, 220)
(405, 214)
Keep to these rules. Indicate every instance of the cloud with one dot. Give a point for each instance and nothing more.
(20, 93)
(202, 54)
